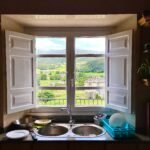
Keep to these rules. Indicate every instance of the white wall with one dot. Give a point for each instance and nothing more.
(9, 24)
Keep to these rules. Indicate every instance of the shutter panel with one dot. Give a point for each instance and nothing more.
(20, 63)
(118, 71)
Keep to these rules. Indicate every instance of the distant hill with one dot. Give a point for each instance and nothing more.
(58, 60)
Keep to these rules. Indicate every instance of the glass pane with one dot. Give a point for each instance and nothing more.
(90, 45)
(89, 98)
(51, 72)
(90, 72)
(50, 45)
(54, 98)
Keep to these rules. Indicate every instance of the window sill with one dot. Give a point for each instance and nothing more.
(47, 111)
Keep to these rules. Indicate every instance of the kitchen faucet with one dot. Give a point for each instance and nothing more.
(68, 109)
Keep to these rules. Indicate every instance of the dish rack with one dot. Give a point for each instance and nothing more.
(127, 131)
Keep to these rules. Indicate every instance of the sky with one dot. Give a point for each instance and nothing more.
(94, 44)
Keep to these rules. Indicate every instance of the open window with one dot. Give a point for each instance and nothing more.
(84, 69)
(76, 78)
(51, 71)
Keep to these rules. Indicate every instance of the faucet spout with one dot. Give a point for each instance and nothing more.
(68, 109)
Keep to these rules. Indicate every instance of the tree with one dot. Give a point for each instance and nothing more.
(98, 97)
(43, 76)
(38, 80)
(55, 76)
(93, 66)
(45, 96)
(81, 78)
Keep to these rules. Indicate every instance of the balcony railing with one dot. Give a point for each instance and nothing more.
(63, 102)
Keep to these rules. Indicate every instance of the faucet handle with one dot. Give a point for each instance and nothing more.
(71, 121)
(65, 109)
(62, 109)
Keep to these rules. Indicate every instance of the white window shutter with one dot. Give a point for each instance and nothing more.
(20, 64)
(118, 71)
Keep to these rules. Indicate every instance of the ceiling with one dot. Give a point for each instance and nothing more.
(70, 20)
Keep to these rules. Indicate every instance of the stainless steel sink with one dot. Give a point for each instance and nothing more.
(53, 130)
(89, 130)
(63, 130)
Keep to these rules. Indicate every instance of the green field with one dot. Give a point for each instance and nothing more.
(52, 73)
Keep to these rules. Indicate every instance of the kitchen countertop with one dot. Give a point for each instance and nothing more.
(106, 137)
(70, 137)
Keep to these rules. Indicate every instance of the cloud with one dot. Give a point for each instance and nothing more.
(83, 44)
(47, 44)
(94, 43)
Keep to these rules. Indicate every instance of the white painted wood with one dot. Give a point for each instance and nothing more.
(70, 20)
(20, 62)
(118, 71)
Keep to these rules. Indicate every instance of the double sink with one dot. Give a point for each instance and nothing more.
(70, 130)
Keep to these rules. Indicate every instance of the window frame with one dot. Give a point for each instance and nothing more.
(73, 57)
(70, 34)
(48, 108)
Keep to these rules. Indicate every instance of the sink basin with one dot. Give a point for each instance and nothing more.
(63, 130)
(52, 130)
(88, 130)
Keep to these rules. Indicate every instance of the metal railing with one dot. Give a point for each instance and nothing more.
(63, 102)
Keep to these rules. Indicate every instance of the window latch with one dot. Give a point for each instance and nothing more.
(72, 82)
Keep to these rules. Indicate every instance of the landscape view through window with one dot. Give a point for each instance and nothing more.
(51, 71)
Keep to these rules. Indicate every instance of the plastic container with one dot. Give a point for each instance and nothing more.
(128, 131)
(97, 117)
